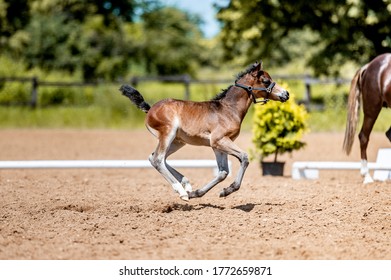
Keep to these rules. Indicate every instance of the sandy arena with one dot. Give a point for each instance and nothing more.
(134, 213)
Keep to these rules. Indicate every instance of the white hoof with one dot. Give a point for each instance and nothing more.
(184, 197)
(368, 179)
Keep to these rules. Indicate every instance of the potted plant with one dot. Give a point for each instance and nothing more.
(277, 129)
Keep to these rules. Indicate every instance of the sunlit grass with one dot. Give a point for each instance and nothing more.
(110, 109)
(69, 117)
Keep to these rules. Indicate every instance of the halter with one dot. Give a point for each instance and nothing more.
(250, 89)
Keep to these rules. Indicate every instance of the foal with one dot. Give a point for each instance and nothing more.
(215, 123)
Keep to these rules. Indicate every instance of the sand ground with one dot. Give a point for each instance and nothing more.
(134, 214)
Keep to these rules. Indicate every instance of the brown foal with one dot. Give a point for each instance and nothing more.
(215, 123)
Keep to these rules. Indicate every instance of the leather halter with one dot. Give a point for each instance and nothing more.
(250, 89)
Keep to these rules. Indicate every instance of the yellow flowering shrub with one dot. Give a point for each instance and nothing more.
(278, 127)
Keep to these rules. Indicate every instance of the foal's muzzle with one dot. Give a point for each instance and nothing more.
(284, 96)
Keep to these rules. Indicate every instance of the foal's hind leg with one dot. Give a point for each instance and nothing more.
(222, 163)
(158, 160)
(175, 146)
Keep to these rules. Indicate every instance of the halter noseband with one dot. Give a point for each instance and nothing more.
(250, 89)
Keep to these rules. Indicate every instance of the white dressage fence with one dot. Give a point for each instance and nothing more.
(53, 164)
(310, 169)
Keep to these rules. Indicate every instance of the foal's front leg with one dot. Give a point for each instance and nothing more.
(227, 145)
(222, 164)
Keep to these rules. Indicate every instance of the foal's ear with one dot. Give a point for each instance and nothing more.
(257, 69)
(257, 65)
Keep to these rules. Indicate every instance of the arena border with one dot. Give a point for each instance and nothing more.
(74, 164)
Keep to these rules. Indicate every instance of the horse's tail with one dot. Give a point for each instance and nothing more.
(353, 110)
(136, 97)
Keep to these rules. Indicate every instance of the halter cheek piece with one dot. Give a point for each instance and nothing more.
(250, 92)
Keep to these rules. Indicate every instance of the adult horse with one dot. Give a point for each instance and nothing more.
(215, 123)
(372, 84)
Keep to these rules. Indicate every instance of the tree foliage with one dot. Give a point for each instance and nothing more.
(343, 30)
(99, 39)
(179, 44)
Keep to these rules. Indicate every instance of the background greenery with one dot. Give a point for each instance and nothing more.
(104, 107)
(324, 33)
(109, 42)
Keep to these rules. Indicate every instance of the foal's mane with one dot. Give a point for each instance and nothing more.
(224, 92)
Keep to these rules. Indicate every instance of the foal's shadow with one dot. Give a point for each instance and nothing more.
(248, 207)
(187, 207)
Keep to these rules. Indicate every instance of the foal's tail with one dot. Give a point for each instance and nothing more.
(136, 98)
(353, 110)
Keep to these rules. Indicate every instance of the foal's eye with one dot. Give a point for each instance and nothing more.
(266, 82)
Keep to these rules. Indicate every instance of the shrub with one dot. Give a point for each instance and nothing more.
(278, 128)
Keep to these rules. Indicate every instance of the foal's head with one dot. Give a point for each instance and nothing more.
(259, 84)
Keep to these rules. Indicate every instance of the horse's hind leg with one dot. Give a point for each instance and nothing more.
(222, 163)
(158, 160)
(364, 140)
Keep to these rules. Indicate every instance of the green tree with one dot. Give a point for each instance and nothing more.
(101, 39)
(104, 51)
(172, 41)
(76, 35)
(49, 41)
(14, 15)
(343, 30)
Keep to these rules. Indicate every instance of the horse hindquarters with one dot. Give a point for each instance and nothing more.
(372, 101)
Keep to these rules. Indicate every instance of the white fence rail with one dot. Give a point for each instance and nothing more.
(53, 164)
(310, 169)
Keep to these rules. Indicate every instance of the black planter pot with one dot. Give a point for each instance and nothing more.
(274, 168)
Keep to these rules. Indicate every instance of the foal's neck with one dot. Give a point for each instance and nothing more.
(238, 99)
